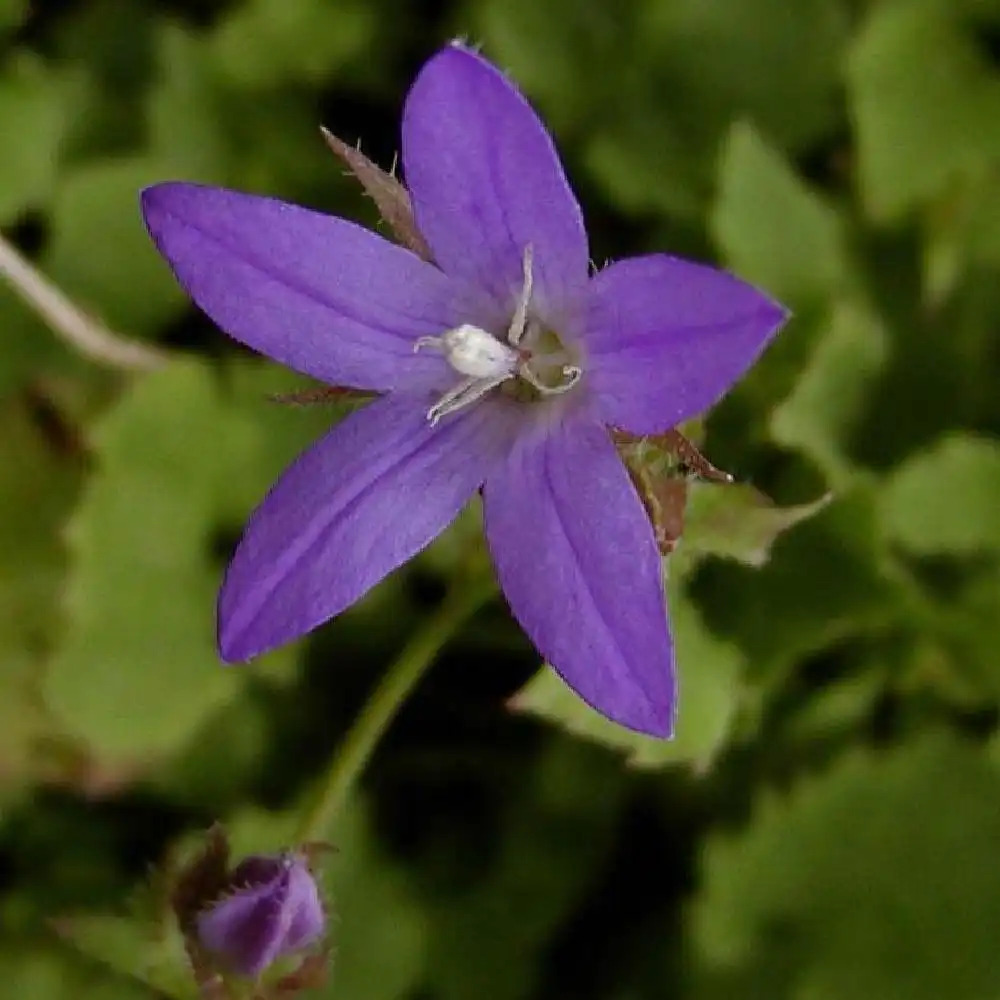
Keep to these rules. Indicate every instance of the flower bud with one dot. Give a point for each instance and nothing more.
(270, 909)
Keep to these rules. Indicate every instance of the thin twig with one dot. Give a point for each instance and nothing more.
(69, 322)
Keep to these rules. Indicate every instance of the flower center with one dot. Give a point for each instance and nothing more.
(531, 364)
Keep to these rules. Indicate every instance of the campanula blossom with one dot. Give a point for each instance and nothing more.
(271, 909)
(501, 362)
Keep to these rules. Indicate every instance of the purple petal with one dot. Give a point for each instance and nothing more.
(308, 919)
(247, 927)
(577, 560)
(316, 293)
(666, 338)
(353, 507)
(273, 909)
(486, 181)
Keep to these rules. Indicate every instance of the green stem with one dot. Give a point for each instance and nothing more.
(388, 697)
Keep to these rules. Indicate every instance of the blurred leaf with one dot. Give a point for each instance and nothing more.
(825, 582)
(771, 228)
(137, 673)
(12, 13)
(281, 430)
(876, 879)
(946, 499)
(829, 399)
(925, 104)
(37, 490)
(143, 946)
(32, 973)
(100, 252)
(263, 43)
(186, 111)
(838, 708)
(980, 220)
(739, 60)
(379, 930)
(646, 163)
(213, 771)
(971, 631)
(33, 116)
(708, 670)
(492, 939)
(682, 73)
(546, 44)
(739, 522)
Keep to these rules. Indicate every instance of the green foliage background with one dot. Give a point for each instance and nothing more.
(827, 823)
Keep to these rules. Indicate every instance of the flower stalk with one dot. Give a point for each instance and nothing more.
(84, 334)
(463, 600)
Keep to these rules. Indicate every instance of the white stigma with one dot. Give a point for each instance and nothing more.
(474, 352)
(487, 361)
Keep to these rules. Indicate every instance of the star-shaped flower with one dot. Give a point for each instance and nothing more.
(502, 362)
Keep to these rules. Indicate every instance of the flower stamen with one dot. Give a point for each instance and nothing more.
(487, 362)
(464, 394)
(571, 374)
(520, 318)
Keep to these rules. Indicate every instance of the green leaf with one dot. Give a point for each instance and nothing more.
(946, 499)
(137, 673)
(739, 522)
(37, 490)
(771, 228)
(268, 42)
(186, 111)
(649, 162)
(829, 400)
(380, 928)
(708, 669)
(925, 104)
(546, 44)
(143, 946)
(831, 887)
(33, 114)
(739, 60)
(281, 430)
(953, 658)
(825, 582)
(100, 253)
(32, 973)
(650, 148)
(12, 13)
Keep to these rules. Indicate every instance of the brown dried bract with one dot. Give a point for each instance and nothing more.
(320, 394)
(202, 880)
(661, 467)
(665, 499)
(390, 196)
(310, 974)
(689, 459)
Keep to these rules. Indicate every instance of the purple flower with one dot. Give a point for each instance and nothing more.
(503, 362)
(271, 910)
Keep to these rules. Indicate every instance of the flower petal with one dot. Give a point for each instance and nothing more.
(667, 337)
(486, 181)
(248, 926)
(307, 917)
(312, 291)
(350, 509)
(577, 560)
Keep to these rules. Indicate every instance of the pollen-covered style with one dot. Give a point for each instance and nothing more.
(502, 364)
